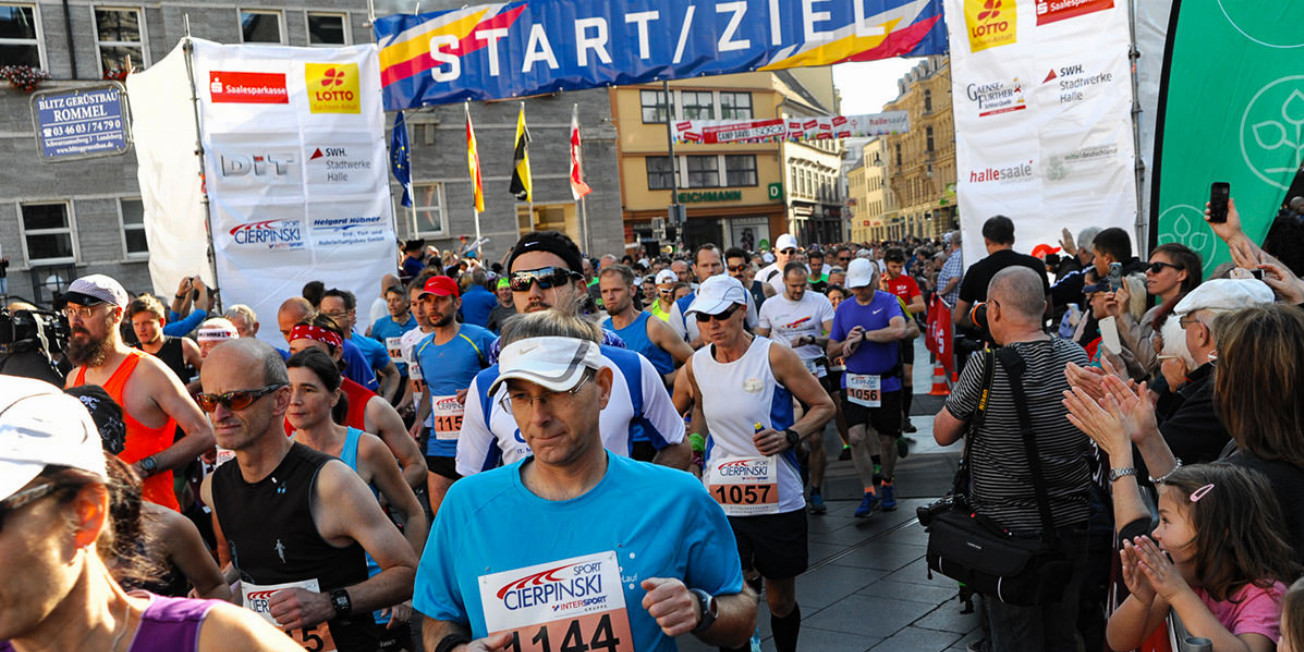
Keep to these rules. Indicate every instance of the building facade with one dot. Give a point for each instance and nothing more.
(738, 194)
(62, 220)
(922, 160)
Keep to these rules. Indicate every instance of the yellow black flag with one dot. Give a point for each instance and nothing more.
(522, 187)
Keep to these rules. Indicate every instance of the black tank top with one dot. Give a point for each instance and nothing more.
(174, 357)
(272, 538)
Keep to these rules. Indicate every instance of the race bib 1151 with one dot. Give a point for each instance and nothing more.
(257, 599)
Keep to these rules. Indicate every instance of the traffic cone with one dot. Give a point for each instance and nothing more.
(939, 381)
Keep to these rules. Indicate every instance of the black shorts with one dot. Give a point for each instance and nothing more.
(907, 349)
(643, 451)
(885, 420)
(445, 466)
(835, 381)
(773, 544)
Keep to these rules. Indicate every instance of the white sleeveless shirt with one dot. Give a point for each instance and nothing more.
(735, 397)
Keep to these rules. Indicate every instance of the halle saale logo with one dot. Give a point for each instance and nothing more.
(990, 23)
(333, 87)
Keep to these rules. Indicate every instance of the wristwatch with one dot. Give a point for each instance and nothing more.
(793, 438)
(1115, 474)
(148, 466)
(341, 602)
(709, 612)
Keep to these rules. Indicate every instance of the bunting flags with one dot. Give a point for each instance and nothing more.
(400, 160)
(522, 188)
(473, 162)
(578, 188)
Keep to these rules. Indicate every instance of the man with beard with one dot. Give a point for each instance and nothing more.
(152, 397)
(449, 358)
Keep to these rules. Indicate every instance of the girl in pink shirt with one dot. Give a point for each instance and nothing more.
(1226, 562)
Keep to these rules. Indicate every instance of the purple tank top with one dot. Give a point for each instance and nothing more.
(168, 625)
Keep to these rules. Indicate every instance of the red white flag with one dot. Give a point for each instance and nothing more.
(940, 340)
(473, 162)
(578, 187)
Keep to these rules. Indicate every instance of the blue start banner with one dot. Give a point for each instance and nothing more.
(531, 47)
(82, 123)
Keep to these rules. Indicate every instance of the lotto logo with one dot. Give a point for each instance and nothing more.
(991, 9)
(990, 23)
(333, 87)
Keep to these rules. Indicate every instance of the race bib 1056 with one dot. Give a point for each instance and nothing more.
(563, 606)
(864, 389)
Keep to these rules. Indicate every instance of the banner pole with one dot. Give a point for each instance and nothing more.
(1142, 223)
(584, 222)
(215, 295)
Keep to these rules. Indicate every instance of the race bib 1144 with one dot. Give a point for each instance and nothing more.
(563, 606)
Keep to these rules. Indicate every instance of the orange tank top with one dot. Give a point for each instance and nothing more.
(141, 440)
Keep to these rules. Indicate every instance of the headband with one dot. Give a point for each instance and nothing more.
(551, 242)
(217, 334)
(318, 334)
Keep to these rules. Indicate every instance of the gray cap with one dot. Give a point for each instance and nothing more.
(96, 288)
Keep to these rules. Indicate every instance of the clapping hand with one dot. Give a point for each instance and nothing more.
(1103, 421)
(1159, 570)
(1137, 582)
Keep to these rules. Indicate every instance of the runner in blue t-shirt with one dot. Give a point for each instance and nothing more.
(450, 358)
(866, 331)
(595, 574)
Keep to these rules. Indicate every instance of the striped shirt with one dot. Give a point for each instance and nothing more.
(1001, 477)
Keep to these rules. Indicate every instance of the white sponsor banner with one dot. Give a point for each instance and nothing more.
(708, 132)
(295, 170)
(1043, 127)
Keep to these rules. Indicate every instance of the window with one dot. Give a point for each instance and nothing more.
(427, 211)
(703, 171)
(133, 227)
(898, 154)
(261, 27)
(697, 105)
(928, 136)
(928, 101)
(327, 29)
(654, 107)
(660, 176)
(20, 44)
(740, 170)
(735, 106)
(47, 233)
(119, 35)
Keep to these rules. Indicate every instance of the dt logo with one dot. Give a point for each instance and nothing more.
(990, 23)
(333, 87)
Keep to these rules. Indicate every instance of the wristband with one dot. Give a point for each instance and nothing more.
(1162, 478)
(448, 643)
(698, 443)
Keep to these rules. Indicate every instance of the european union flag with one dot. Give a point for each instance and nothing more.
(400, 161)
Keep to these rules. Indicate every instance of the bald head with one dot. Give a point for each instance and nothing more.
(1020, 294)
(298, 306)
(251, 354)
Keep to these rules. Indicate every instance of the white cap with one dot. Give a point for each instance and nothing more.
(1225, 294)
(96, 288)
(785, 241)
(860, 272)
(556, 363)
(666, 276)
(716, 294)
(768, 258)
(40, 426)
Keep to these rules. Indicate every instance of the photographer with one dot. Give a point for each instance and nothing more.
(1002, 486)
(29, 338)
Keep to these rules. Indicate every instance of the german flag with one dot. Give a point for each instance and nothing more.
(473, 162)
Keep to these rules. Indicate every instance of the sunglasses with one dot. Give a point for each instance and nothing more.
(546, 277)
(788, 251)
(702, 317)
(237, 400)
(737, 268)
(23, 499)
(1156, 267)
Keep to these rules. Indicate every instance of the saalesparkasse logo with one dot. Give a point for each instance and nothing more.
(990, 23)
(333, 87)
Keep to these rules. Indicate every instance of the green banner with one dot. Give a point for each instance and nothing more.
(1231, 109)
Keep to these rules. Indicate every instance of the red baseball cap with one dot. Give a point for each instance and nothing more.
(440, 286)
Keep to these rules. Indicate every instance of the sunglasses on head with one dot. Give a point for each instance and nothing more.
(1157, 266)
(703, 317)
(546, 277)
(237, 400)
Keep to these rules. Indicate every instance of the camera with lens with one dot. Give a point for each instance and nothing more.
(33, 330)
(942, 505)
(979, 315)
